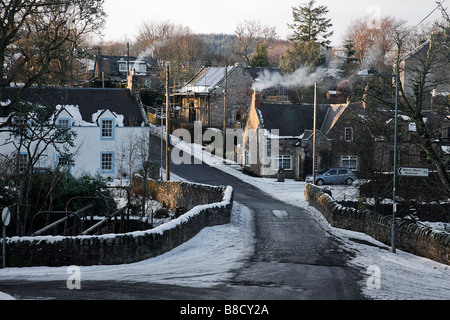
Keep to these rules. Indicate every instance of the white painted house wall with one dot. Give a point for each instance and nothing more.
(91, 145)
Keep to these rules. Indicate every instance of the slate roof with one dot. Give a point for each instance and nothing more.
(255, 72)
(109, 64)
(332, 116)
(291, 120)
(88, 100)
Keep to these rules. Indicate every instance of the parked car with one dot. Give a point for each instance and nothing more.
(333, 176)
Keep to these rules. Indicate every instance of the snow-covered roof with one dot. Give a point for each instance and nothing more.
(84, 104)
(206, 80)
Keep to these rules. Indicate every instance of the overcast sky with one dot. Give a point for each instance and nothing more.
(206, 16)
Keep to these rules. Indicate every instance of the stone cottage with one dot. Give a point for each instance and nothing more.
(202, 98)
(282, 136)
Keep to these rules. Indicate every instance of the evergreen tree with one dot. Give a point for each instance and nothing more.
(302, 55)
(311, 24)
(260, 58)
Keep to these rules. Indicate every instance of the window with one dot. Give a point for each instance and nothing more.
(140, 67)
(107, 162)
(348, 134)
(283, 162)
(64, 125)
(350, 162)
(107, 129)
(123, 66)
(63, 160)
(237, 114)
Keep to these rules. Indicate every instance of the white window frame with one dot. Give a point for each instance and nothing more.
(64, 124)
(106, 165)
(281, 159)
(141, 67)
(106, 130)
(122, 65)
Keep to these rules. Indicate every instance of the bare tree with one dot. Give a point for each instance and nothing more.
(155, 33)
(175, 45)
(372, 42)
(38, 35)
(250, 34)
(34, 132)
(422, 72)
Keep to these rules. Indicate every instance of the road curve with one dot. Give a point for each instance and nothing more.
(293, 259)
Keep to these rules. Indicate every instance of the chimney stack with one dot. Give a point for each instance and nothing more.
(256, 99)
(132, 80)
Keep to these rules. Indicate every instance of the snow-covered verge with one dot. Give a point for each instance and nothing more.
(399, 275)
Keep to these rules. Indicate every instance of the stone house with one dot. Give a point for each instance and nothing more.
(202, 98)
(362, 139)
(104, 119)
(117, 68)
(279, 136)
(431, 57)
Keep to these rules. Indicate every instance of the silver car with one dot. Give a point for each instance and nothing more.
(333, 176)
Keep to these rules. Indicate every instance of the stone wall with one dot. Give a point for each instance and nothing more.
(178, 194)
(207, 206)
(411, 237)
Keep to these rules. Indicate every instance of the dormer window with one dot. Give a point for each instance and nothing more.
(107, 129)
(139, 66)
(123, 66)
(64, 125)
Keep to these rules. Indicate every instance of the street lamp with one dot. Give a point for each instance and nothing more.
(368, 73)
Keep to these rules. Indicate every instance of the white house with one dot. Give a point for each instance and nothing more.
(108, 124)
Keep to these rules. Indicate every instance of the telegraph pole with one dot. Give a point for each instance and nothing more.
(167, 124)
(314, 134)
(224, 108)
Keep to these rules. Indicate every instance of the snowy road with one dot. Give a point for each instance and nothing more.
(220, 262)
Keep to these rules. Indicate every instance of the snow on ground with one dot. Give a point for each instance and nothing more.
(188, 264)
(389, 276)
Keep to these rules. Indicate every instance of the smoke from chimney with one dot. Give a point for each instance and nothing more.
(299, 78)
